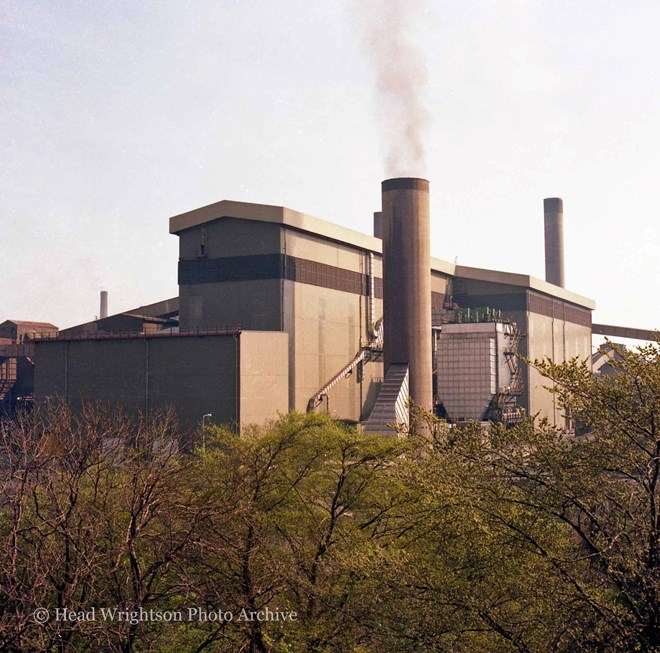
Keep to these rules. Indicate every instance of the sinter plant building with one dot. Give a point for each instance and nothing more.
(281, 311)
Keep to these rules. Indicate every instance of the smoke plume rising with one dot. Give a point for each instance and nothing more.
(388, 31)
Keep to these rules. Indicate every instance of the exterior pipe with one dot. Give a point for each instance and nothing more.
(146, 377)
(372, 298)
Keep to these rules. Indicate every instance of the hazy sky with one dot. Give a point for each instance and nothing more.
(116, 115)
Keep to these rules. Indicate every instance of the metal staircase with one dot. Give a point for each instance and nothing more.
(391, 407)
(511, 357)
(7, 376)
(365, 355)
(369, 354)
(503, 407)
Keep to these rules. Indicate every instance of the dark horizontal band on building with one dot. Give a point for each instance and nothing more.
(528, 301)
(276, 266)
(405, 183)
(282, 266)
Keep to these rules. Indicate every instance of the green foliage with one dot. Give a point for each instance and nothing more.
(310, 501)
(528, 539)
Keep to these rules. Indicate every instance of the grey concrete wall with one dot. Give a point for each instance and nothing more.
(326, 329)
(559, 340)
(96, 369)
(195, 376)
(50, 370)
(438, 283)
(559, 331)
(264, 375)
(250, 304)
(326, 326)
(229, 237)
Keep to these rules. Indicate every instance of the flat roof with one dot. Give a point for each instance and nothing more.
(315, 226)
(28, 323)
(275, 214)
(160, 309)
(526, 281)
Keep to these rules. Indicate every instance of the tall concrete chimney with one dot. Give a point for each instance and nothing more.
(104, 304)
(553, 221)
(407, 283)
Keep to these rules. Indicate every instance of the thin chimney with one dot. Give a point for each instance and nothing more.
(104, 304)
(553, 219)
(378, 224)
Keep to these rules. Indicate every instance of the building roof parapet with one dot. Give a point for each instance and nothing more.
(123, 335)
(277, 215)
(28, 323)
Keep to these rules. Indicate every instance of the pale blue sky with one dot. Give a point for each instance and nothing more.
(116, 115)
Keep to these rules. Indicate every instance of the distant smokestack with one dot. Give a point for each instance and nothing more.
(104, 304)
(407, 282)
(378, 224)
(553, 219)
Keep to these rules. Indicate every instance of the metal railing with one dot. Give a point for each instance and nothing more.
(369, 353)
(365, 355)
(173, 332)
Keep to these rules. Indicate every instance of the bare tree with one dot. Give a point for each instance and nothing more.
(94, 516)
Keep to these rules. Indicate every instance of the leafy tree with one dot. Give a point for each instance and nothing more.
(309, 504)
(529, 539)
(604, 486)
(532, 539)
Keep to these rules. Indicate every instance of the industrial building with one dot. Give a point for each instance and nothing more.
(279, 311)
(17, 361)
